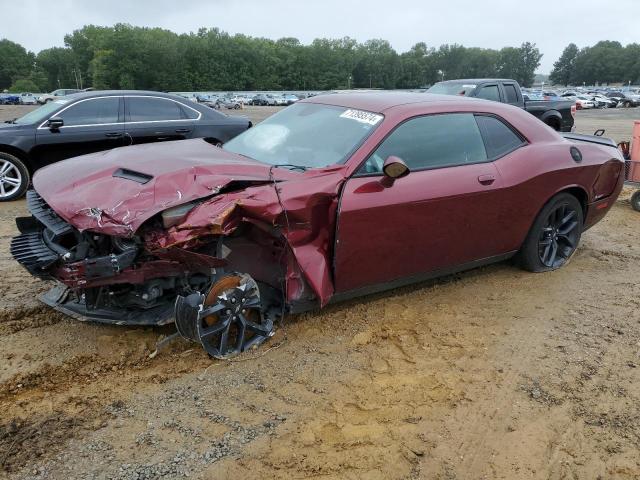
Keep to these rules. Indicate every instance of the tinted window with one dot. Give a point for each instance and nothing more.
(147, 109)
(510, 91)
(92, 112)
(499, 138)
(189, 113)
(430, 142)
(490, 92)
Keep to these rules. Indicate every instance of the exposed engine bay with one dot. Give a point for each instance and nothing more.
(121, 281)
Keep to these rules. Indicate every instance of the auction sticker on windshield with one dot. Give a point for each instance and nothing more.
(362, 116)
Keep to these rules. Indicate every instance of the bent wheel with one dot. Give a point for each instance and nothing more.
(229, 319)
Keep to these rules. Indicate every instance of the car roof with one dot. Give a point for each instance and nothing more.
(478, 80)
(383, 100)
(113, 93)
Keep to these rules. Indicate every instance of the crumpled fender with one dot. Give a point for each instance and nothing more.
(308, 227)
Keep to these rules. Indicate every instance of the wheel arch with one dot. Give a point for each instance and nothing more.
(20, 154)
(552, 118)
(578, 192)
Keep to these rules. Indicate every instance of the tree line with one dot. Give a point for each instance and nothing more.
(128, 57)
(603, 63)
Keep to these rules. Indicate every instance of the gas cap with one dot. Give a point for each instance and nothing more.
(576, 154)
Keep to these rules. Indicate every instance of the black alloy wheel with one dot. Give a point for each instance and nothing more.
(559, 237)
(554, 235)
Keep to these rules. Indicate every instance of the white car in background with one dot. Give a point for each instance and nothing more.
(61, 92)
(290, 98)
(28, 99)
(280, 100)
(584, 102)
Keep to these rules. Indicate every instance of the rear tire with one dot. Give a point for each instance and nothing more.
(635, 201)
(14, 177)
(554, 124)
(554, 235)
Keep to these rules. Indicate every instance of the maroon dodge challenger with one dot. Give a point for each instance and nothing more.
(334, 197)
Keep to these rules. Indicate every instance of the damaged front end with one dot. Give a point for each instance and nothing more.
(103, 278)
(222, 285)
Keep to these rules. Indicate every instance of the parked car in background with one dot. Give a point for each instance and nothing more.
(558, 114)
(625, 99)
(288, 216)
(9, 99)
(84, 123)
(281, 100)
(584, 103)
(202, 98)
(230, 103)
(61, 92)
(28, 99)
(602, 101)
(290, 98)
(264, 99)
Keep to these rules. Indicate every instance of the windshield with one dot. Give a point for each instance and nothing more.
(464, 89)
(41, 114)
(306, 135)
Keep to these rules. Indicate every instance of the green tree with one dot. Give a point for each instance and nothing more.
(519, 63)
(23, 85)
(416, 67)
(563, 68)
(15, 62)
(57, 66)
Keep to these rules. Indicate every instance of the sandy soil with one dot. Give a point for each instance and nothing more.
(494, 373)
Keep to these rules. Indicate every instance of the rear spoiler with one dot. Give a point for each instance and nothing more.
(595, 138)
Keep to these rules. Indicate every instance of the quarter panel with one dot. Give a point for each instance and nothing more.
(535, 173)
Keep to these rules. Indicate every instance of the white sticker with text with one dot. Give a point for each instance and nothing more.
(362, 116)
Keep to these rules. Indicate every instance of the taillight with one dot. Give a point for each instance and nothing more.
(573, 111)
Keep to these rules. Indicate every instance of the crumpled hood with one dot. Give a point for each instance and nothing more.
(85, 192)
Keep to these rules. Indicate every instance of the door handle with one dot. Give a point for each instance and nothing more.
(183, 130)
(486, 179)
(114, 134)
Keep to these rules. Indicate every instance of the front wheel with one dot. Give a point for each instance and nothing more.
(14, 177)
(554, 236)
(635, 201)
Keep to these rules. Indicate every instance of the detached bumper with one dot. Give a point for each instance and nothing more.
(60, 299)
(31, 251)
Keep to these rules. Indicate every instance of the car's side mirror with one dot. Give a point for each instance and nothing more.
(393, 169)
(54, 123)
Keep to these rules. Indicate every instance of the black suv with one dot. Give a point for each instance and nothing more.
(93, 121)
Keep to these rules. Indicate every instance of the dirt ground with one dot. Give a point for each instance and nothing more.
(491, 374)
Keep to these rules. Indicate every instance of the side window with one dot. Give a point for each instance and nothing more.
(92, 112)
(511, 93)
(149, 109)
(190, 113)
(431, 141)
(498, 137)
(489, 92)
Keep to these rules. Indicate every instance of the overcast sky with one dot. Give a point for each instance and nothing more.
(551, 25)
